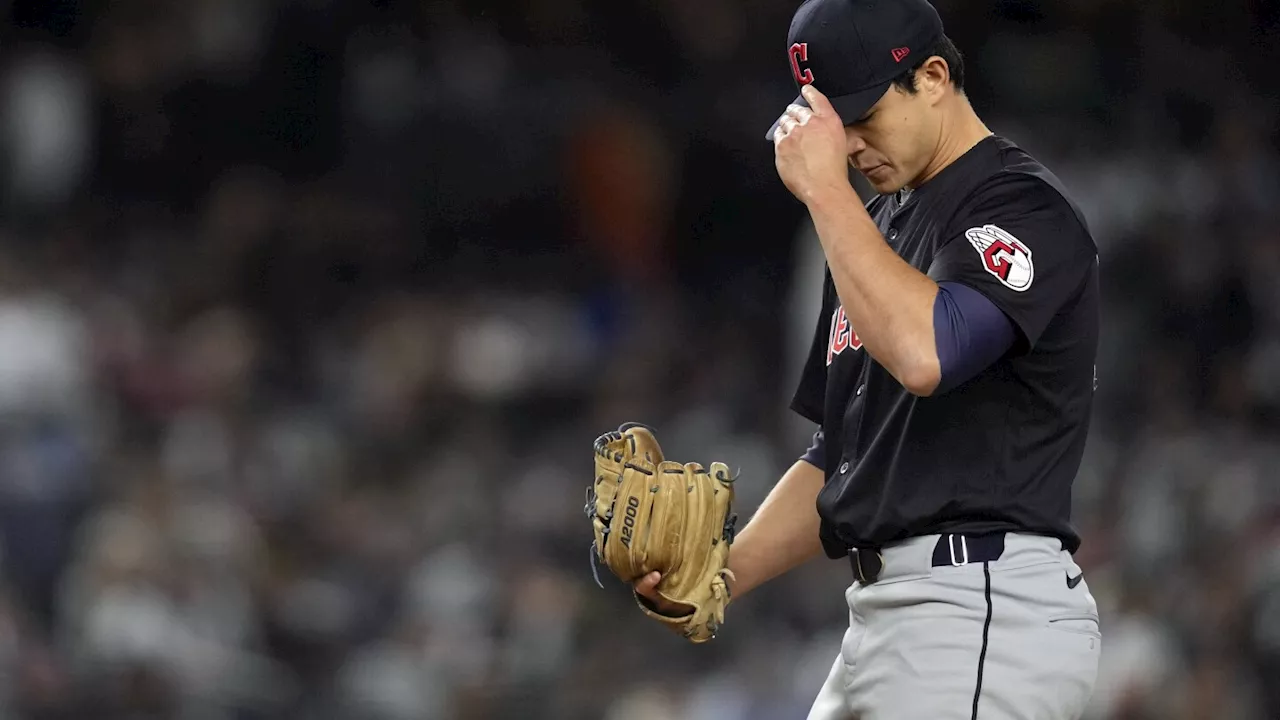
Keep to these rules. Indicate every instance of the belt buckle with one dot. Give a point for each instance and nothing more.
(864, 575)
(964, 550)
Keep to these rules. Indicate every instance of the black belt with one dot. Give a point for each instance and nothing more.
(952, 549)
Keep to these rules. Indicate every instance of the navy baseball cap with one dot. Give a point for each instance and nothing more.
(852, 50)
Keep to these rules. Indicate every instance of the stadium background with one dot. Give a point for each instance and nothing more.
(310, 309)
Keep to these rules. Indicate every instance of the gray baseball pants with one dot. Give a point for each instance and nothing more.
(1014, 638)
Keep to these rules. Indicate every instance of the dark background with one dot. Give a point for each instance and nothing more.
(310, 310)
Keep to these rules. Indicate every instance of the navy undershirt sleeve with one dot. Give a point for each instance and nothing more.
(815, 455)
(970, 333)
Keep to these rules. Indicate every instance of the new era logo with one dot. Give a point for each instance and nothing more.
(899, 53)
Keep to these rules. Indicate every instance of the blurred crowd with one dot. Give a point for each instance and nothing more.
(310, 310)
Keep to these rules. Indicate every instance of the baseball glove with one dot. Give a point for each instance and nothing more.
(649, 513)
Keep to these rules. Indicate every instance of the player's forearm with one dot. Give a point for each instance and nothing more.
(782, 534)
(888, 302)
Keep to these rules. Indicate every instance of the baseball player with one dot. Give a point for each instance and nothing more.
(951, 378)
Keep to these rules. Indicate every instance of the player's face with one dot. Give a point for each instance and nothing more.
(893, 142)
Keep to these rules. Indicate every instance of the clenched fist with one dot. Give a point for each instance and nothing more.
(810, 147)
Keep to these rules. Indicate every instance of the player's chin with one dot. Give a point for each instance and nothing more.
(883, 179)
(885, 186)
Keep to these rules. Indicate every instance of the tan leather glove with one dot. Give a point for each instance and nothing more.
(649, 513)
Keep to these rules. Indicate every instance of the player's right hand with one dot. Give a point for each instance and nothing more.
(811, 148)
(646, 587)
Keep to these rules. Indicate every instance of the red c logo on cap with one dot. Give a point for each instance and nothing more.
(800, 53)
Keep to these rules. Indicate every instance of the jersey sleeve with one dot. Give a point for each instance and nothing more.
(1020, 243)
(816, 455)
(810, 394)
(970, 333)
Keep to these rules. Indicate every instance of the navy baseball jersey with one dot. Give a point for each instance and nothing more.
(1001, 450)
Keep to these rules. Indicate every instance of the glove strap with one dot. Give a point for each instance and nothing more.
(595, 573)
(652, 611)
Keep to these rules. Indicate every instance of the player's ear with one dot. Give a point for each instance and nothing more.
(932, 78)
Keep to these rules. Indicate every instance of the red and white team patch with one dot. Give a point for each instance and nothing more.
(1003, 255)
(841, 335)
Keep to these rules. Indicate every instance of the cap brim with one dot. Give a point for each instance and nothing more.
(849, 107)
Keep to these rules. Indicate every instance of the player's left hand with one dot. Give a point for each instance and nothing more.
(663, 527)
(809, 147)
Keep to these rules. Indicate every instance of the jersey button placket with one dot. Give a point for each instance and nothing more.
(844, 467)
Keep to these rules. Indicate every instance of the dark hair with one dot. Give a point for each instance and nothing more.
(944, 49)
